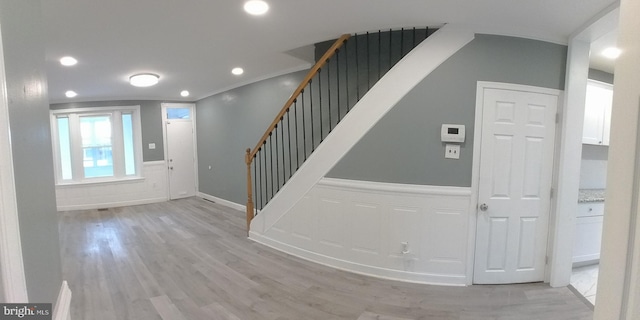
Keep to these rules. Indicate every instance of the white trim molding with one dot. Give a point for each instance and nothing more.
(62, 308)
(223, 202)
(14, 285)
(405, 232)
(381, 98)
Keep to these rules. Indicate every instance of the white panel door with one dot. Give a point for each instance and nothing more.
(180, 152)
(516, 161)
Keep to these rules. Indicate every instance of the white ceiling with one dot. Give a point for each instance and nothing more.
(194, 44)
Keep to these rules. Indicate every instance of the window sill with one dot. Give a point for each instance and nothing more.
(101, 182)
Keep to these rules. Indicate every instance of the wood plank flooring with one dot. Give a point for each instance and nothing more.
(190, 259)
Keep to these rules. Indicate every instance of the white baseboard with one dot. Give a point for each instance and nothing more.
(111, 204)
(62, 309)
(223, 202)
(372, 271)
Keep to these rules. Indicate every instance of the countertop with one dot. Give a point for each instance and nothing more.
(590, 195)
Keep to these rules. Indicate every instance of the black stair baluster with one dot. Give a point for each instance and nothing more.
(304, 130)
(271, 163)
(320, 102)
(346, 72)
(390, 38)
(379, 52)
(357, 72)
(266, 189)
(275, 129)
(284, 170)
(338, 84)
(255, 184)
(259, 180)
(329, 91)
(368, 63)
(295, 121)
(313, 141)
(289, 141)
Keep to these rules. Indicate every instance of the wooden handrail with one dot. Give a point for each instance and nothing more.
(251, 154)
(314, 70)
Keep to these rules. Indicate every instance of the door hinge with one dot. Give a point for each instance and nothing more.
(546, 260)
(551, 193)
(557, 118)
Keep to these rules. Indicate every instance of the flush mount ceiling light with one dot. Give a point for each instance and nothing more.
(611, 53)
(144, 79)
(184, 93)
(70, 94)
(68, 61)
(256, 7)
(237, 71)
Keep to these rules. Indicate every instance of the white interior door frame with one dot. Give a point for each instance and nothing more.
(14, 285)
(475, 176)
(192, 106)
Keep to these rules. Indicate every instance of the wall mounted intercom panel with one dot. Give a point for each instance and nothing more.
(452, 133)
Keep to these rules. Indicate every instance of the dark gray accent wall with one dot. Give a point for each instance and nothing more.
(26, 81)
(150, 118)
(405, 147)
(600, 76)
(228, 123)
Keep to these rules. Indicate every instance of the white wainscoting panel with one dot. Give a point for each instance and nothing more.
(404, 232)
(152, 187)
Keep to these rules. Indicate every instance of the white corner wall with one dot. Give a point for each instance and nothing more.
(405, 232)
(152, 187)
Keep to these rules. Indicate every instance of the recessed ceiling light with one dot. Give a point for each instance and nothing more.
(256, 7)
(144, 79)
(611, 52)
(70, 94)
(184, 93)
(237, 71)
(68, 61)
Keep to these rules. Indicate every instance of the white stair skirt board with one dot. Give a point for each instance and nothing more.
(383, 96)
(62, 308)
(403, 232)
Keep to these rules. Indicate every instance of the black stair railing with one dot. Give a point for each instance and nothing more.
(349, 67)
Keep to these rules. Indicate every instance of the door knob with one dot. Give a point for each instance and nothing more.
(484, 207)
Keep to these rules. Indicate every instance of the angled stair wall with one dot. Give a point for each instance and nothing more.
(381, 97)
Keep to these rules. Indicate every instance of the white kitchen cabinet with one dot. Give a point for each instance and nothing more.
(588, 236)
(597, 113)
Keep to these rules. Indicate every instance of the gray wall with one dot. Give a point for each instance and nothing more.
(23, 43)
(601, 76)
(150, 118)
(405, 147)
(228, 124)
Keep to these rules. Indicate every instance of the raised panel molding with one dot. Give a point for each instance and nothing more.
(405, 232)
(149, 189)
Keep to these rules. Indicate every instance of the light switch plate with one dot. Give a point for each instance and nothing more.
(452, 151)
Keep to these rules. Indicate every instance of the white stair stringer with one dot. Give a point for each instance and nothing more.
(383, 96)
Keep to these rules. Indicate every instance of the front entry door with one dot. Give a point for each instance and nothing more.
(180, 150)
(514, 190)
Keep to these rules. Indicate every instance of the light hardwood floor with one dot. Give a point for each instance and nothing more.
(190, 259)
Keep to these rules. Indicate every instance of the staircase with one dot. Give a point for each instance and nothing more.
(343, 79)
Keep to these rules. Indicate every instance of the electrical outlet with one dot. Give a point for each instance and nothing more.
(452, 151)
